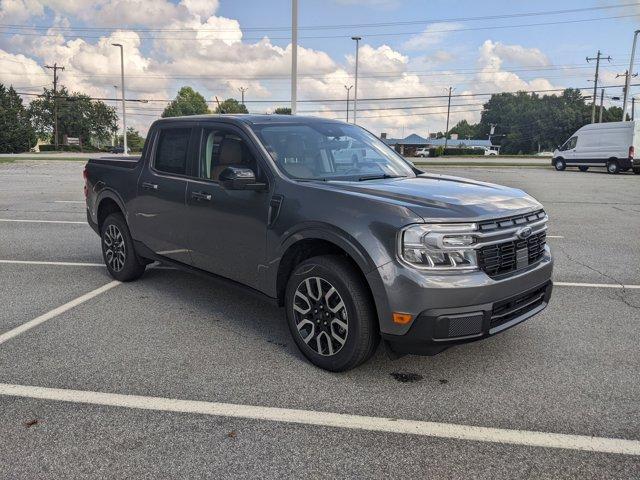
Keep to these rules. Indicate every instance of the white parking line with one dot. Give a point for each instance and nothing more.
(69, 201)
(56, 311)
(555, 236)
(329, 419)
(22, 220)
(65, 264)
(596, 285)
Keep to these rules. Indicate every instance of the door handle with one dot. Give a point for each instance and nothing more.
(149, 185)
(201, 196)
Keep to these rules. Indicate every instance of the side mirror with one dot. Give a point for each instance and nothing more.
(240, 178)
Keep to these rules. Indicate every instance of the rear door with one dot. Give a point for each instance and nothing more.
(160, 212)
(227, 228)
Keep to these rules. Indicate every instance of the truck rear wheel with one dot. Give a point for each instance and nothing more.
(560, 164)
(636, 170)
(613, 167)
(330, 313)
(117, 249)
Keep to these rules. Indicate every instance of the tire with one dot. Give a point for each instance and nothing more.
(636, 170)
(613, 167)
(583, 168)
(559, 164)
(351, 337)
(117, 249)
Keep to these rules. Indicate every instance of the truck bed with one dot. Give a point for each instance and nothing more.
(129, 161)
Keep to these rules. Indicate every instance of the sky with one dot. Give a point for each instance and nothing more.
(409, 48)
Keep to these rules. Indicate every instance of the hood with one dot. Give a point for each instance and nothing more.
(443, 197)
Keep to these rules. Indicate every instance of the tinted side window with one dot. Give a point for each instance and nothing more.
(171, 154)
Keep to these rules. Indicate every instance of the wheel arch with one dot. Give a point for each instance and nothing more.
(314, 241)
(107, 204)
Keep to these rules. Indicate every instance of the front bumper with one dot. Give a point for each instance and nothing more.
(453, 309)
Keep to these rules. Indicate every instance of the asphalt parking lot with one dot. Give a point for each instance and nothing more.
(178, 376)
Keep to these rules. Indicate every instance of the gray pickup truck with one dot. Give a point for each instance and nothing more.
(365, 249)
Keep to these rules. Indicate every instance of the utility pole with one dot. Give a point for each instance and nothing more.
(55, 69)
(355, 91)
(624, 89)
(294, 56)
(242, 90)
(626, 84)
(601, 105)
(595, 82)
(348, 89)
(633, 108)
(124, 108)
(446, 132)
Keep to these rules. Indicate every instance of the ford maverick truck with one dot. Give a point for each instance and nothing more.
(357, 248)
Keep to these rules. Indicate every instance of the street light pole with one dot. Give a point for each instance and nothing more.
(294, 56)
(355, 92)
(348, 89)
(242, 90)
(115, 87)
(124, 108)
(627, 82)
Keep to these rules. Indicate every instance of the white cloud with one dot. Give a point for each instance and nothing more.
(494, 78)
(433, 35)
(203, 8)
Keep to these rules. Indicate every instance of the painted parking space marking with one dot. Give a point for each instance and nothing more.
(596, 285)
(59, 264)
(56, 311)
(24, 220)
(329, 419)
(69, 201)
(555, 236)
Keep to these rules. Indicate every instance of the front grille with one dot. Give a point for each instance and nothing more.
(513, 254)
(514, 307)
(510, 222)
(507, 257)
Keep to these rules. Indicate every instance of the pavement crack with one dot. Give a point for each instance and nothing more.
(621, 296)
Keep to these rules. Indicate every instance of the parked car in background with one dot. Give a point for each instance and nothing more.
(119, 149)
(355, 252)
(611, 145)
(422, 152)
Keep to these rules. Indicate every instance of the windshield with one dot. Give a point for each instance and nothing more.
(330, 151)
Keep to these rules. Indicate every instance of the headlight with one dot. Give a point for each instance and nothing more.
(439, 247)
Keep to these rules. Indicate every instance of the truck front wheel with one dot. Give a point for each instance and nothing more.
(330, 313)
(559, 164)
(117, 249)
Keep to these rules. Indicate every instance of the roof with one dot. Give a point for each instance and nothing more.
(252, 118)
(416, 140)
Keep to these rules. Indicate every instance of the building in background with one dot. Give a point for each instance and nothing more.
(407, 146)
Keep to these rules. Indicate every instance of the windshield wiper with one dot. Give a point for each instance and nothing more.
(379, 177)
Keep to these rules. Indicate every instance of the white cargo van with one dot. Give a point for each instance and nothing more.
(611, 145)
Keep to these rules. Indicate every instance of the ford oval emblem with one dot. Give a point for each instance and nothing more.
(524, 232)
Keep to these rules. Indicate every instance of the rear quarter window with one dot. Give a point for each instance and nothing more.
(171, 153)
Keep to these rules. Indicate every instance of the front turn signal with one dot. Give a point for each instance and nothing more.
(401, 318)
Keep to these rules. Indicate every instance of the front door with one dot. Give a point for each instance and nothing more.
(227, 228)
(160, 207)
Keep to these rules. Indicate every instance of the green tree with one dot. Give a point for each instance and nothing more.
(135, 141)
(231, 105)
(187, 102)
(16, 133)
(465, 130)
(78, 116)
(282, 111)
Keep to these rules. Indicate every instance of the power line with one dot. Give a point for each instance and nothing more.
(335, 27)
(317, 37)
